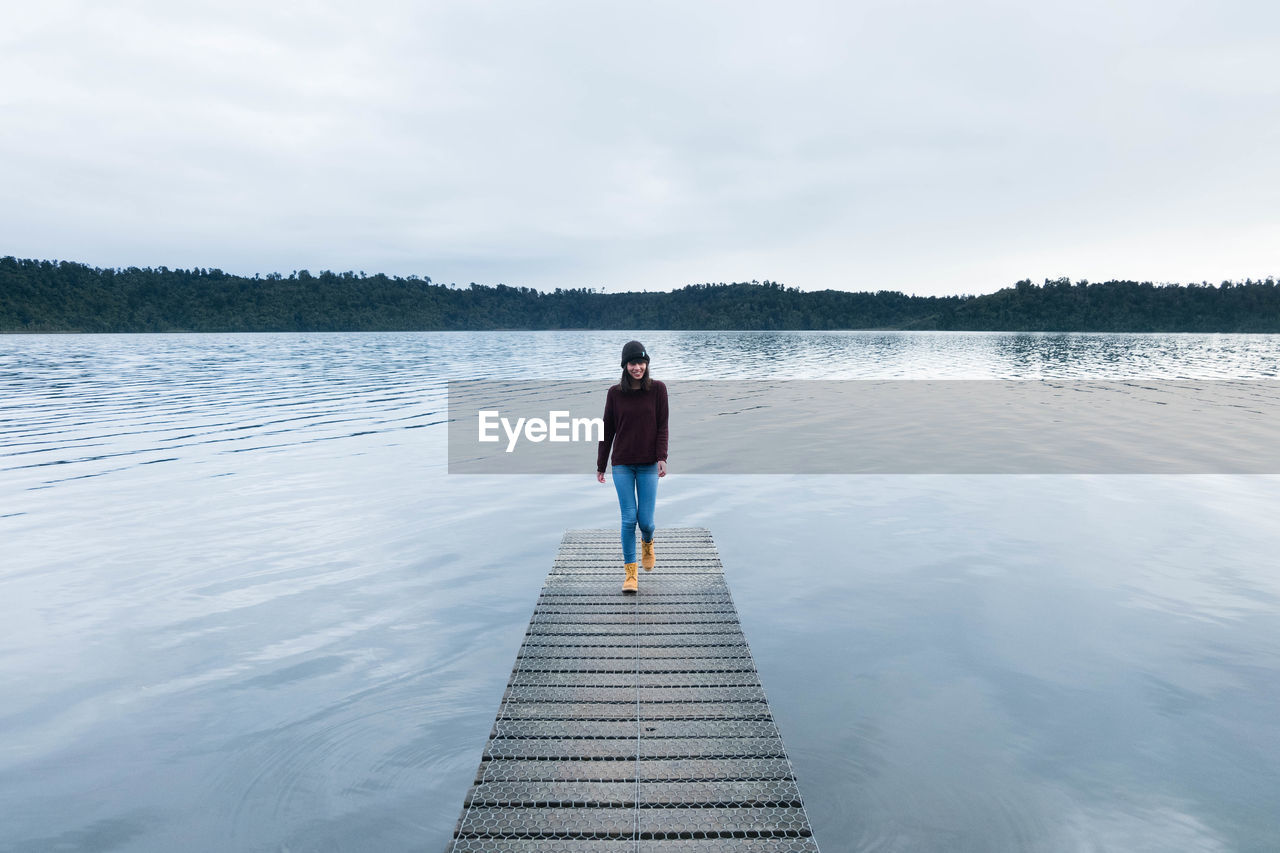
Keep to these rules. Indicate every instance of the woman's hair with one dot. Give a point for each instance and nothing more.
(625, 383)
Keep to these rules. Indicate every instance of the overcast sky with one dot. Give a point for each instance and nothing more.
(929, 147)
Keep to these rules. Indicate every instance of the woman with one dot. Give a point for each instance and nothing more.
(635, 424)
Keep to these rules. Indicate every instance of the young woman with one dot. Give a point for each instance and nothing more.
(635, 424)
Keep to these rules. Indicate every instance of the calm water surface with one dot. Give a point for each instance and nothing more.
(244, 607)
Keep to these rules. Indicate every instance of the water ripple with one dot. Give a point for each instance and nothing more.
(246, 609)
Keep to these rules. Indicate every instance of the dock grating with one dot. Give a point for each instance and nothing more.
(634, 723)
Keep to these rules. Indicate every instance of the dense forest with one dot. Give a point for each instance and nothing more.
(61, 296)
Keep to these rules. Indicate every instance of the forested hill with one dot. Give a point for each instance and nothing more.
(52, 296)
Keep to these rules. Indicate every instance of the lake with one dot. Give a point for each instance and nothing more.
(245, 607)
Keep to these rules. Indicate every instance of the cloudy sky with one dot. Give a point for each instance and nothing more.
(929, 147)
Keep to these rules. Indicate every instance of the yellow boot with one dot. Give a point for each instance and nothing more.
(646, 555)
(630, 584)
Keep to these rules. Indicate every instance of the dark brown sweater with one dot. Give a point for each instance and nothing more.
(635, 423)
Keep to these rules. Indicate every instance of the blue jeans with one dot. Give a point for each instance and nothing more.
(637, 487)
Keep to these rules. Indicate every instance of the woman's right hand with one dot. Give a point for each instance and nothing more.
(599, 476)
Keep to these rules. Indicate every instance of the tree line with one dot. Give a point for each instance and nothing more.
(63, 296)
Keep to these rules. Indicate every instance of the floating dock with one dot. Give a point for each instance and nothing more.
(634, 722)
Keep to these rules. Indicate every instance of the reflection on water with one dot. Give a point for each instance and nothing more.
(246, 609)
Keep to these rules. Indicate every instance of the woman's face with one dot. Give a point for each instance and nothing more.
(636, 369)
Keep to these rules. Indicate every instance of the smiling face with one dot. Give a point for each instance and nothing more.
(636, 369)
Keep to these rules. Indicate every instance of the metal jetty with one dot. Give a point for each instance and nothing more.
(634, 722)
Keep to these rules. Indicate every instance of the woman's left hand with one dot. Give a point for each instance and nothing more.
(662, 468)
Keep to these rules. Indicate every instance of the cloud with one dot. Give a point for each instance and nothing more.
(925, 146)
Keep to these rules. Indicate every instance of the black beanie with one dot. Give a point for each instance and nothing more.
(633, 351)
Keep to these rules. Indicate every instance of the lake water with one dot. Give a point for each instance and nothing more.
(244, 607)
